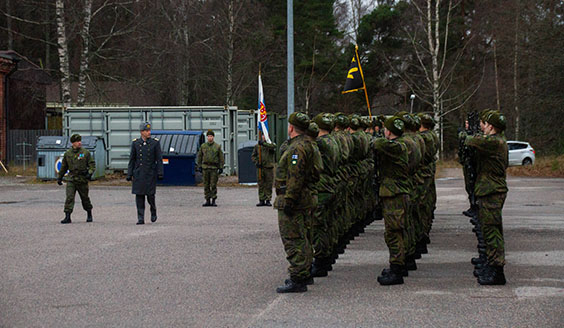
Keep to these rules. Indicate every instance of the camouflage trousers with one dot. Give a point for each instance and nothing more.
(323, 230)
(71, 190)
(265, 179)
(427, 206)
(489, 214)
(296, 244)
(410, 236)
(416, 211)
(394, 210)
(210, 177)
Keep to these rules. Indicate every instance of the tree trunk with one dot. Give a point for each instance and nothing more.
(515, 72)
(9, 25)
(84, 60)
(62, 45)
(230, 50)
(47, 37)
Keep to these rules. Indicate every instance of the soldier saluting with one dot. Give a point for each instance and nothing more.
(145, 167)
(81, 166)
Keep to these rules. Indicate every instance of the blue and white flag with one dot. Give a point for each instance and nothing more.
(262, 119)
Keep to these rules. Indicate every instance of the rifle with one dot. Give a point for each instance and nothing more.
(467, 155)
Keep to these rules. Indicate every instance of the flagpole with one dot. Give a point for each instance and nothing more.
(363, 83)
(259, 138)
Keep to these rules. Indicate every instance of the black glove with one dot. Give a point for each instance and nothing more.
(88, 176)
(219, 171)
(288, 207)
(261, 142)
(128, 178)
(59, 182)
(259, 166)
(199, 169)
(160, 177)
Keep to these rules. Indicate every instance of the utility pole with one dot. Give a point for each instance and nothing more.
(290, 45)
(412, 97)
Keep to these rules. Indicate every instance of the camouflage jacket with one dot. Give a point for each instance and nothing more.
(344, 146)
(427, 169)
(491, 162)
(329, 151)
(392, 167)
(210, 156)
(79, 163)
(296, 174)
(267, 156)
(361, 144)
(413, 152)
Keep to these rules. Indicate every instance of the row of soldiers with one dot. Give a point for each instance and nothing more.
(484, 158)
(338, 173)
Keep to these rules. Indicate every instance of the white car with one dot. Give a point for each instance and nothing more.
(520, 153)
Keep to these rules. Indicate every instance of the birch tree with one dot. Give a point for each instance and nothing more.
(62, 46)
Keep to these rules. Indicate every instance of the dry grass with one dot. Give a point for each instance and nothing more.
(549, 167)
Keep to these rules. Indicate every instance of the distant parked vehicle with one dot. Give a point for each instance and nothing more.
(520, 153)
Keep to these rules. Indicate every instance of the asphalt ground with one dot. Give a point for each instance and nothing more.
(219, 267)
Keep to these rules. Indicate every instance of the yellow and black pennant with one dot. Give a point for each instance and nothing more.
(355, 78)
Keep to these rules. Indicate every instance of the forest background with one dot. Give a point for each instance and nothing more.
(455, 56)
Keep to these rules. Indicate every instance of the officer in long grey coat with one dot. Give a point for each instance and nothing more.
(145, 167)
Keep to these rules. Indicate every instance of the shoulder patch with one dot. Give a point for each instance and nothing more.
(295, 156)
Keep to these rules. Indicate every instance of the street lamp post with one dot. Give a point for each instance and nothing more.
(412, 97)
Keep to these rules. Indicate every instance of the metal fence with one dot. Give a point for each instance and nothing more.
(22, 143)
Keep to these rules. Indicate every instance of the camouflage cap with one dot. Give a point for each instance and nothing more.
(324, 121)
(395, 125)
(75, 137)
(341, 120)
(427, 120)
(416, 121)
(407, 120)
(312, 130)
(299, 120)
(210, 133)
(354, 122)
(484, 114)
(144, 126)
(497, 119)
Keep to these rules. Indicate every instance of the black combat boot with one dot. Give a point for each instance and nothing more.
(89, 216)
(140, 220)
(421, 247)
(402, 271)
(67, 218)
(153, 218)
(213, 202)
(410, 264)
(318, 269)
(481, 269)
(493, 276)
(478, 260)
(267, 203)
(292, 286)
(261, 203)
(207, 203)
(393, 276)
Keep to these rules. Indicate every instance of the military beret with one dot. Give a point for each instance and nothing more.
(354, 122)
(312, 130)
(144, 126)
(497, 119)
(324, 121)
(366, 122)
(426, 120)
(341, 120)
(75, 137)
(299, 120)
(210, 133)
(416, 121)
(395, 125)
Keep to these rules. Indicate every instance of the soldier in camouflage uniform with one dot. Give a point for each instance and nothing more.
(427, 172)
(325, 231)
(210, 162)
(295, 178)
(394, 193)
(414, 162)
(144, 168)
(491, 191)
(264, 157)
(81, 166)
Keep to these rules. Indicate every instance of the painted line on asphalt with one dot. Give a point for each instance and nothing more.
(266, 310)
(529, 292)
